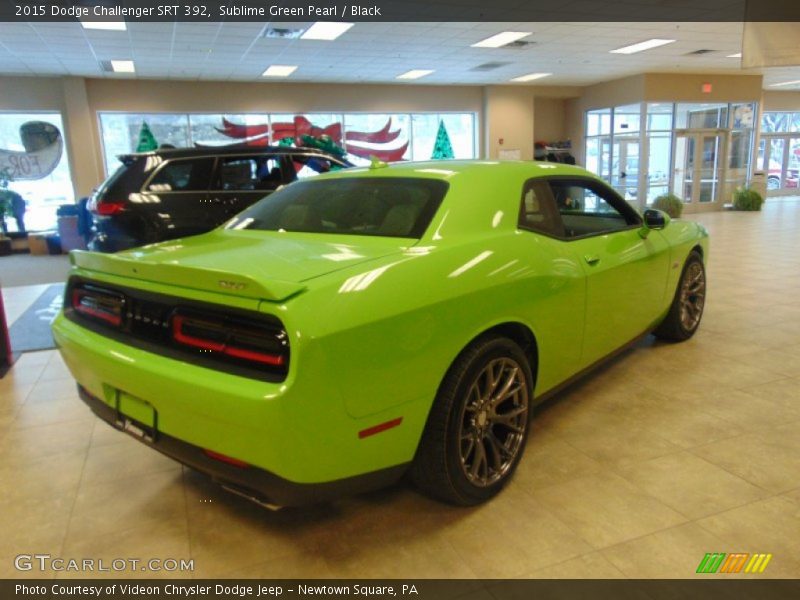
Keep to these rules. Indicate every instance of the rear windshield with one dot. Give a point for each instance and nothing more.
(378, 206)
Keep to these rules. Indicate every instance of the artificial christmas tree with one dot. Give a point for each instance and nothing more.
(147, 141)
(442, 148)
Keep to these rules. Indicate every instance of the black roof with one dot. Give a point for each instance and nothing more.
(237, 149)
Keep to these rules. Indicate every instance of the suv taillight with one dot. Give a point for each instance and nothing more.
(248, 343)
(106, 209)
(98, 304)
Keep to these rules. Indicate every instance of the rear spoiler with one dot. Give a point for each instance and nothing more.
(207, 280)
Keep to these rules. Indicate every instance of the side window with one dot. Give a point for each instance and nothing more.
(310, 166)
(586, 209)
(537, 212)
(185, 175)
(249, 173)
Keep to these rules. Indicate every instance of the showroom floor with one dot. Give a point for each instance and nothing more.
(669, 452)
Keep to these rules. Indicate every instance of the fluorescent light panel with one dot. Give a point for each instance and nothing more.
(795, 82)
(531, 76)
(737, 55)
(415, 74)
(279, 70)
(323, 30)
(501, 39)
(642, 46)
(105, 25)
(123, 66)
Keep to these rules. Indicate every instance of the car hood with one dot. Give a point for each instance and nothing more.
(268, 265)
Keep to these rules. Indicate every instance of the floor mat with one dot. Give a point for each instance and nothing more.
(31, 331)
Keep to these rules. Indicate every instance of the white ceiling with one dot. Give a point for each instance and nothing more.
(576, 53)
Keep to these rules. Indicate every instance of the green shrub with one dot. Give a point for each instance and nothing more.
(746, 198)
(670, 204)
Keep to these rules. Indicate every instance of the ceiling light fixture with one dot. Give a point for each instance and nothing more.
(737, 55)
(501, 39)
(795, 82)
(123, 66)
(415, 74)
(323, 30)
(105, 25)
(279, 70)
(641, 46)
(531, 76)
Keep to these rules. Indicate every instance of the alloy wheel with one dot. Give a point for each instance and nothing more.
(693, 296)
(493, 422)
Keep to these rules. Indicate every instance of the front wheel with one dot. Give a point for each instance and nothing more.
(686, 310)
(476, 431)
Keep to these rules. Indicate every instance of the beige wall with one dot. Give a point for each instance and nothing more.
(549, 119)
(781, 101)
(508, 120)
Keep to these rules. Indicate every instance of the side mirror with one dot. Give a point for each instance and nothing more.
(653, 220)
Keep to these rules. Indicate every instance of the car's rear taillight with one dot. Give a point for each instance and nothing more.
(106, 209)
(98, 304)
(239, 341)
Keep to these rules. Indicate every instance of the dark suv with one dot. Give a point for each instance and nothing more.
(167, 194)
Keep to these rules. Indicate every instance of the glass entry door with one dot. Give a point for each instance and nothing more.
(626, 168)
(779, 158)
(698, 177)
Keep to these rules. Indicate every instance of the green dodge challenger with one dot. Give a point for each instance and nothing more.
(370, 323)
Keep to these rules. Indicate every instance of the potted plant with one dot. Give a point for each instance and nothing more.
(746, 198)
(670, 204)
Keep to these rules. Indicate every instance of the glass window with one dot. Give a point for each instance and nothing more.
(376, 206)
(658, 151)
(775, 122)
(215, 130)
(537, 211)
(182, 176)
(249, 173)
(122, 131)
(701, 116)
(310, 166)
(659, 116)
(384, 134)
(36, 167)
(598, 122)
(586, 210)
(627, 118)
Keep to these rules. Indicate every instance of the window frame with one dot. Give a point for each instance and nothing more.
(545, 196)
(599, 187)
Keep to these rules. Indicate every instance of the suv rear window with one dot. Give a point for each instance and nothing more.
(377, 206)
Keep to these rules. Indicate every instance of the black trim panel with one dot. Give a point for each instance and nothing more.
(164, 346)
(254, 483)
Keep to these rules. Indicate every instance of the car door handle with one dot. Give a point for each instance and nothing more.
(591, 259)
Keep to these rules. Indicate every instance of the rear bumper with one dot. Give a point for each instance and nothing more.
(252, 482)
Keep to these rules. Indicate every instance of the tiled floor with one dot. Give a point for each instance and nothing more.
(667, 453)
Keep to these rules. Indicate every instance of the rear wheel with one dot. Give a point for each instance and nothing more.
(686, 310)
(476, 431)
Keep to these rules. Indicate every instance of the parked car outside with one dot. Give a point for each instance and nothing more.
(172, 193)
(373, 322)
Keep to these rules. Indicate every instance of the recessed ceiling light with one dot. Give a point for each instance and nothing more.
(123, 66)
(415, 74)
(105, 25)
(279, 70)
(531, 76)
(795, 82)
(641, 46)
(323, 30)
(737, 55)
(501, 39)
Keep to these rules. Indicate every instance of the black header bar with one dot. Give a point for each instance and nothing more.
(400, 10)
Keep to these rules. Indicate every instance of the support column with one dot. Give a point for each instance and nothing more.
(79, 125)
(508, 121)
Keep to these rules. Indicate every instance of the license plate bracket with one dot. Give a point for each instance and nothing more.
(136, 417)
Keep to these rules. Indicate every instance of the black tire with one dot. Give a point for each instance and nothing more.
(687, 306)
(460, 410)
